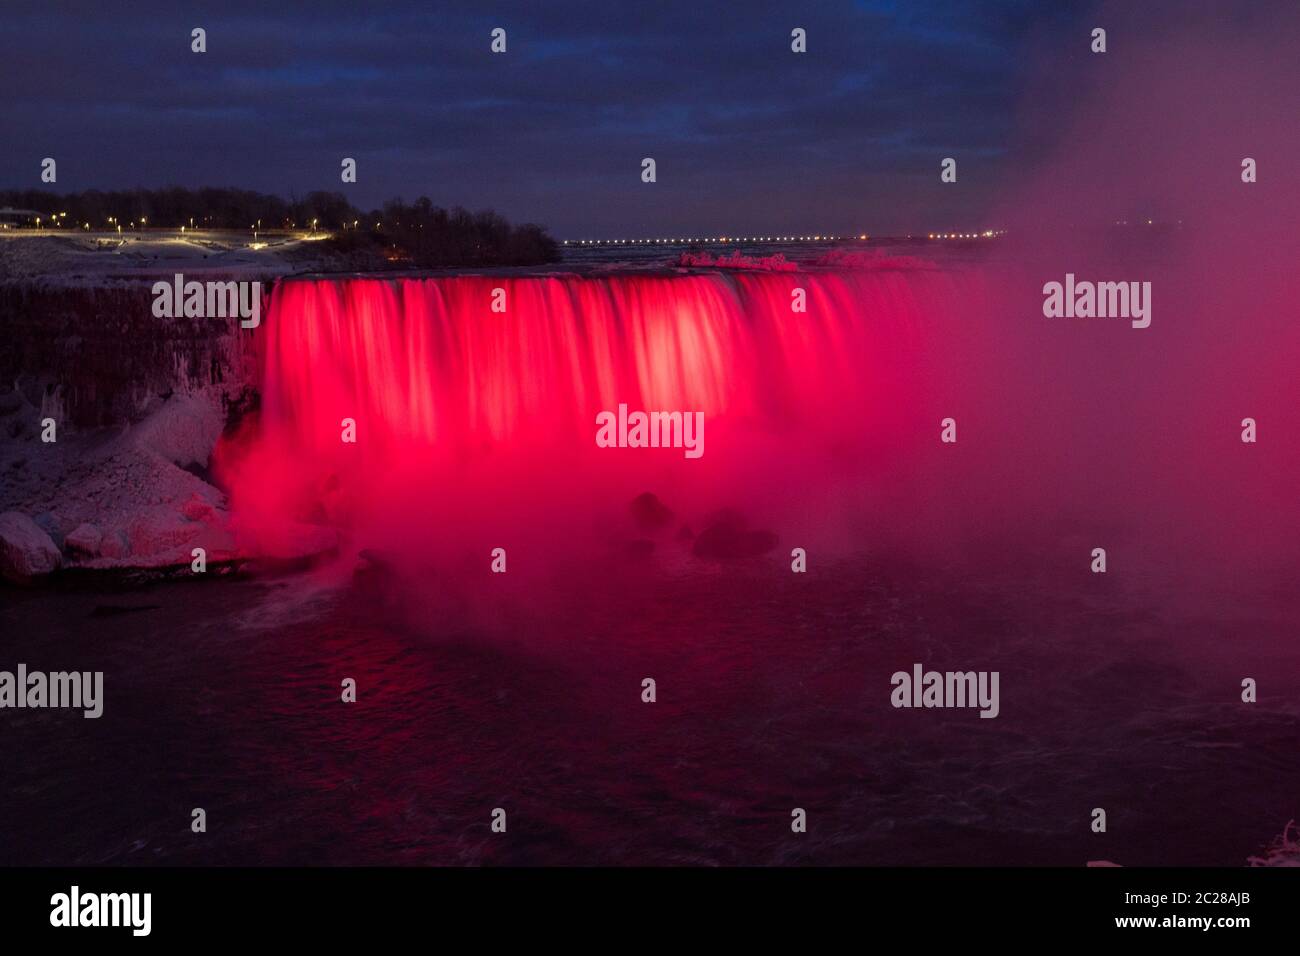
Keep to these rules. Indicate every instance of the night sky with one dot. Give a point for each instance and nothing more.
(748, 136)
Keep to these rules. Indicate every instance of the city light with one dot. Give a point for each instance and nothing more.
(726, 239)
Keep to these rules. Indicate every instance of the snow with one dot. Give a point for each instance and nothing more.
(74, 259)
(122, 498)
(26, 551)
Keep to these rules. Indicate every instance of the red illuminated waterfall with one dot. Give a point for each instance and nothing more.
(480, 419)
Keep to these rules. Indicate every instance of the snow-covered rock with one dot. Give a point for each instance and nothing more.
(199, 509)
(183, 431)
(159, 529)
(51, 525)
(131, 496)
(113, 546)
(26, 551)
(84, 540)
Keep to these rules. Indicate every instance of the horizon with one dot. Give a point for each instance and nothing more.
(57, 197)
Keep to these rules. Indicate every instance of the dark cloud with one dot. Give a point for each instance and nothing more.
(747, 135)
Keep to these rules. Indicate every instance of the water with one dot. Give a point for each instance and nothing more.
(523, 690)
(772, 693)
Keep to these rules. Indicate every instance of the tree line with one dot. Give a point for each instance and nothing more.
(417, 233)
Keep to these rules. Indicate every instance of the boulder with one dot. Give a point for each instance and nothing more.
(649, 513)
(159, 529)
(197, 509)
(49, 523)
(113, 545)
(728, 537)
(26, 551)
(84, 540)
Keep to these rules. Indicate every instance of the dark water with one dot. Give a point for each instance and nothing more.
(773, 693)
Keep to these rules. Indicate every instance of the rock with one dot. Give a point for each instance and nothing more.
(649, 512)
(85, 540)
(375, 572)
(49, 523)
(184, 430)
(196, 509)
(159, 529)
(113, 545)
(727, 536)
(26, 551)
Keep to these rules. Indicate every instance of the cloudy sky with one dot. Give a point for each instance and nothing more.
(748, 136)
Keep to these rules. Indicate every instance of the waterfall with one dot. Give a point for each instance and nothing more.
(460, 410)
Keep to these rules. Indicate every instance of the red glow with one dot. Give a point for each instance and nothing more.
(463, 411)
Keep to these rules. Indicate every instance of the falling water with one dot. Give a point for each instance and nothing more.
(466, 416)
